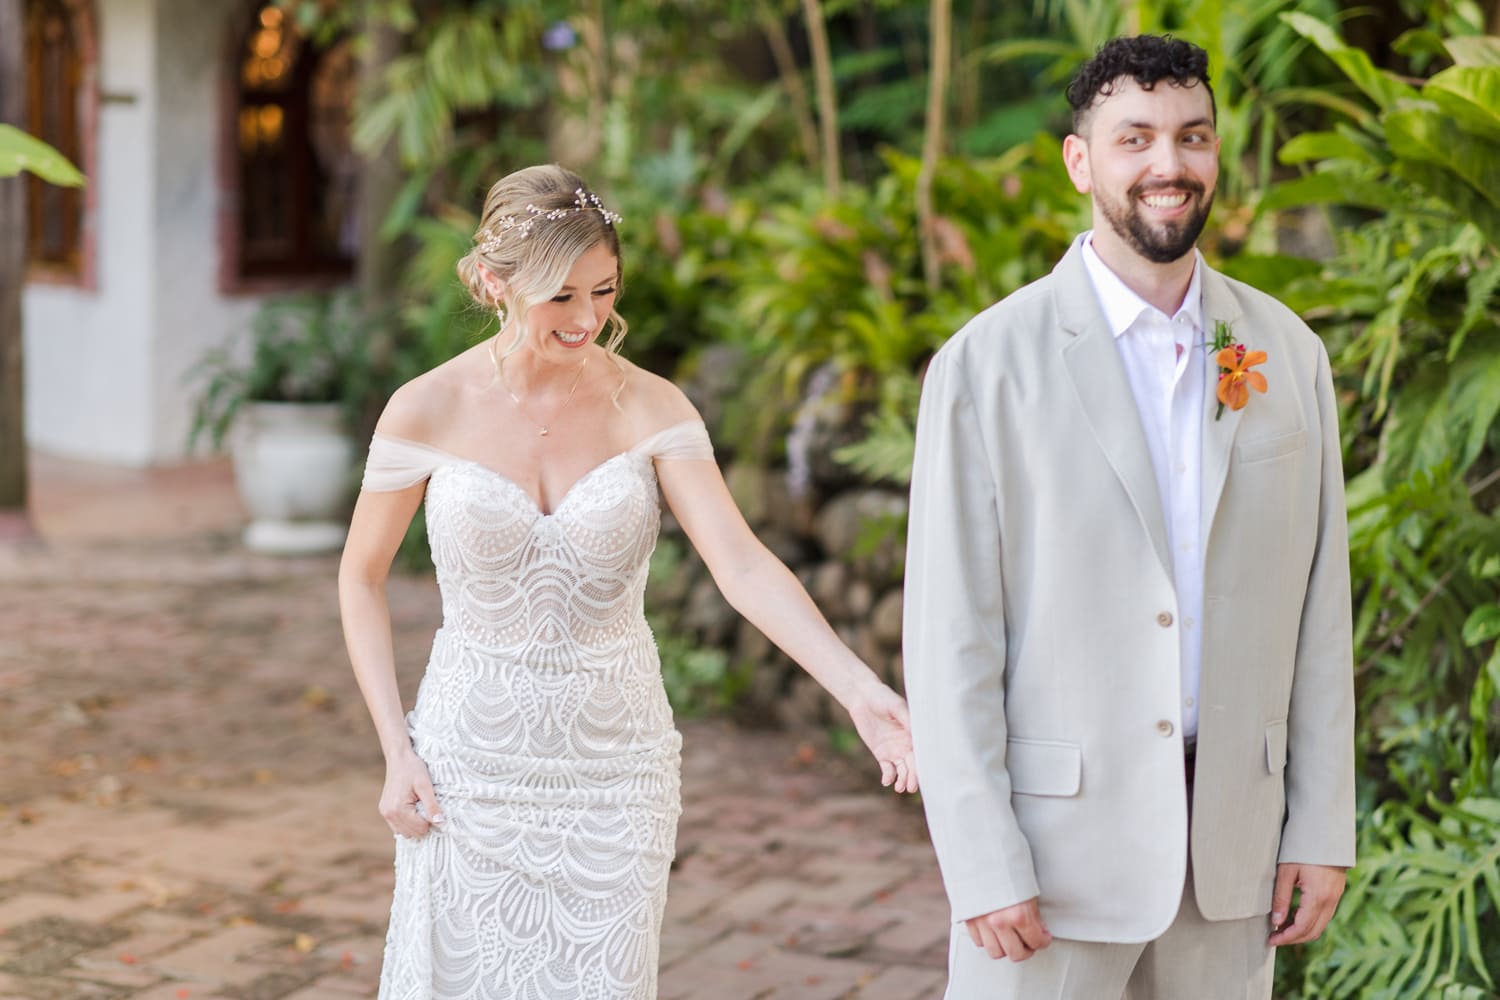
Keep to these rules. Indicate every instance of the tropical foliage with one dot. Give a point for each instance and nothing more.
(310, 348)
(1410, 312)
(21, 152)
(765, 155)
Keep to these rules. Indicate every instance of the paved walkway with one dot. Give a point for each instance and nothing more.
(188, 780)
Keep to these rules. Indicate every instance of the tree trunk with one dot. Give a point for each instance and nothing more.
(12, 272)
(932, 140)
(575, 124)
(378, 261)
(828, 108)
(791, 79)
(967, 85)
(379, 267)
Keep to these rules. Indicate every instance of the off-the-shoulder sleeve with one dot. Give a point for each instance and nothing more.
(395, 464)
(687, 440)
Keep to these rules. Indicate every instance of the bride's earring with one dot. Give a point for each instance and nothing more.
(500, 315)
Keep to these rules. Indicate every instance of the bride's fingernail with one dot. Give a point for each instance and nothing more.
(439, 818)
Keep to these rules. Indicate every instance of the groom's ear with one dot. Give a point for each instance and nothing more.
(1076, 159)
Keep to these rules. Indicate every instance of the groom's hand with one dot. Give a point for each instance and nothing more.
(1015, 932)
(1321, 887)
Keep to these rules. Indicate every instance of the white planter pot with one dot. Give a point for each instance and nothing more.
(292, 464)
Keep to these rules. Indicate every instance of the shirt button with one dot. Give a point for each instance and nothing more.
(1189, 702)
(1164, 619)
(1181, 468)
(1187, 623)
(1164, 727)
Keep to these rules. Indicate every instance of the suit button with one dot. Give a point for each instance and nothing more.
(1164, 727)
(1164, 619)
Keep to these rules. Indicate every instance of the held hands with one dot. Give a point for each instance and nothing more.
(407, 784)
(1014, 932)
(1321, 887)
(880, 718)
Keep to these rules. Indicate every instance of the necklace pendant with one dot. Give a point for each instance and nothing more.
(542, 432)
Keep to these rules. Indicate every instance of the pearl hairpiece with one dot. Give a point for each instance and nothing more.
(585, 201)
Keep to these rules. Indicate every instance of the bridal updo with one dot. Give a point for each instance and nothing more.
(535, 225)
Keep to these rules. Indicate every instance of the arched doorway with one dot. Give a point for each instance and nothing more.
(294, 173)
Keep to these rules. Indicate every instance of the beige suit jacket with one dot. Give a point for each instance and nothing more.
(1041, 652)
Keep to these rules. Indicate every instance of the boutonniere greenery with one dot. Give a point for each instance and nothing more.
(1235, 377)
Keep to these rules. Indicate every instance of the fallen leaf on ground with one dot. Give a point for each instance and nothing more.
(145, 764)
(316, 696)
(65, 768)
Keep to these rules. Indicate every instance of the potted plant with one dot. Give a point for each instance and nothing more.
(286, 404)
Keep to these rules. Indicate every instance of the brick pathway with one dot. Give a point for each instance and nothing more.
(188, 779)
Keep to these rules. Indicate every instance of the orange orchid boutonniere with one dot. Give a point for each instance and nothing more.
(1235, 377)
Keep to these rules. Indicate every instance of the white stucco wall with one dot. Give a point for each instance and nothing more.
(104, 367)
(88, 353)
(191, 314)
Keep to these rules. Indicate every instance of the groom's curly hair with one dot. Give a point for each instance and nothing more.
(1147, 59)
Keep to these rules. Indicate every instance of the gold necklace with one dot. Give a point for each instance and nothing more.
(542, 430)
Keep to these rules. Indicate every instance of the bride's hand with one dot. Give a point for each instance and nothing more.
(407, 784)
(881, 719)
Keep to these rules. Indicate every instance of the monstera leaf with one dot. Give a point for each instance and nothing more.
(1470, 95)
(1428, 136)
(1381, 87)
(1443, 139)
(1475, 50)
(19, 151)
(1440, 156)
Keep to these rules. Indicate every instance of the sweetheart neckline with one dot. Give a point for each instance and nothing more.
(536, 507)
(641, 447)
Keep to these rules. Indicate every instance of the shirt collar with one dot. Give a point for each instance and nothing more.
(1122, 307)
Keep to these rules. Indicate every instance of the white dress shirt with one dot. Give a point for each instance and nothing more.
(1166, 362)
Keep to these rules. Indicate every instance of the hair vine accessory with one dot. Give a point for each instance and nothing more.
(584, 201)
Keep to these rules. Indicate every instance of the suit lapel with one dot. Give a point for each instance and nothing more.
(1219, 303)
(1104, 395)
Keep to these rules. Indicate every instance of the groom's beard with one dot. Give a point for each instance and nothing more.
(1166, 241)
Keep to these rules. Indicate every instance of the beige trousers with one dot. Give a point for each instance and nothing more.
(1196, 959)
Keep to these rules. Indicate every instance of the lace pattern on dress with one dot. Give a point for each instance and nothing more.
(546, 729)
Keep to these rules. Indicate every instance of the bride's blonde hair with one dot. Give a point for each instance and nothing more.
(536, 223)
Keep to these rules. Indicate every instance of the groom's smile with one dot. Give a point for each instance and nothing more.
(1150, 161)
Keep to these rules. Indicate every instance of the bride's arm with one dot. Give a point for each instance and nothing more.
(375, 532)
(760, 587)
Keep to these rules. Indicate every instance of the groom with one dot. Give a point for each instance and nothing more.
(1128, 611)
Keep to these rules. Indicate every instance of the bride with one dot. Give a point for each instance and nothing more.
(534, 789)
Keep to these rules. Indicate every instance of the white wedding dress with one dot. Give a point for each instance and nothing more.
(544, 724)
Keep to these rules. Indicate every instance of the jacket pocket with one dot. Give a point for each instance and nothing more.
(1276, 746)
(1043, 767)
(1267, 448)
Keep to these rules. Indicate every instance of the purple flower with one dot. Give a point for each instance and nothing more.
(559, 37)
